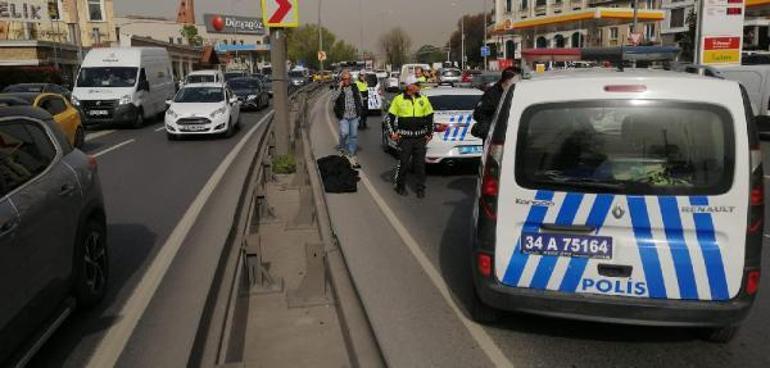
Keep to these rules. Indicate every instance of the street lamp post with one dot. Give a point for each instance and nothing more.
(320, 35)
(462, 46)
(486, 24)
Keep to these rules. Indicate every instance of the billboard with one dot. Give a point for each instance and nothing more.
(721, 32)
(232, 24)
(28, 11)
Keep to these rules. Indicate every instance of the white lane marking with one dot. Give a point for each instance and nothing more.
(114, 341)
(107, 150)
(101, 133)
(485, 342)
(160, 129)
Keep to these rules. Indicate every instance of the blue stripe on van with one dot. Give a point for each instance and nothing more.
(647, 251)
(712, 255)
(577, 265)
(566, 216)
(457, 127)
(532, 223)
(672, 222)
(449, 128)
(466, 127)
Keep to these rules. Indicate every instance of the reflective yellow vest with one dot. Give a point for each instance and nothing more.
(362, 86)
(403, 106)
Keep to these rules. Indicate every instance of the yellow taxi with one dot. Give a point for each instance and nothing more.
(324, 76)
(64, 114)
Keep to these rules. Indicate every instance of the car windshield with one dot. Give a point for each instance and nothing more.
(454, 102)
(626, 147)
(451, 73)
(244, 84)
(232, 75)
(107, 77)
(200, 95)
(371, 80)
(35, 88)
(296, 74)
(201, 78)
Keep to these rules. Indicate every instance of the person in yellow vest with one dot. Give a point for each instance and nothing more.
(410, 124)
(363, 88)
(420, 75)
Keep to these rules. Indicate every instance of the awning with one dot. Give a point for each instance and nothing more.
(545, 55)
(756, 8)
(598, 17)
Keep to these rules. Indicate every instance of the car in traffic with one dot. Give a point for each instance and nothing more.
(205, 76)
(234, 74)
(267, 82)
(250, 93)
(450, 75)
(638, 201)
(38, 88)
(469, 75)
(452, 142)
(375, 95)
(203, 109)
(391, 83)
(66, 116)
(53, 232)
(297, 78)
(410, 69)
(323, 76)
(123, 86)
(485, 80)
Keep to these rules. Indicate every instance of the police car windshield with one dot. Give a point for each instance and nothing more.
(296, 74)
(626, 147)
(371, 80)
(200, 95)
(454, 102)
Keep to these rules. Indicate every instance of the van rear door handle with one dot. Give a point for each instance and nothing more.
(568, 228)
(610, 270)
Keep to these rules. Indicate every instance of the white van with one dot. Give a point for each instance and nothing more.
(205, 76)
(756, 80)
(639, 200)
(409, 69)
(124, 85)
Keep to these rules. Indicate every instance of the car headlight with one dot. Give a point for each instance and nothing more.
(75, 101)
(171, 113)
(125, 100)
(217, 112)
(252, 97)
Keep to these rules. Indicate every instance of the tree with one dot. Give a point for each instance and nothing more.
(474, 39)
(429, 54)
(396, 44)
(190, 33)
(303, 46)
(687, 40)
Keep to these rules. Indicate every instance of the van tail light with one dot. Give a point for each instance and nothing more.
(627, 88)
(752, 282)
(484, 264)
(440, 128)
(757, 192)
(490, 189)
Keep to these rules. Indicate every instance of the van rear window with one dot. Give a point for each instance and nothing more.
(629, 147)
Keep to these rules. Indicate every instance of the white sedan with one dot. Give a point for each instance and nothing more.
(201, 109)
(453, 120)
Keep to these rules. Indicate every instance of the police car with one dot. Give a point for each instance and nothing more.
(638, 200)
(453, 120)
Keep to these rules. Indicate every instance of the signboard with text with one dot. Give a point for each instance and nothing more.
(26, 11)
(721, 29)
(280, 13)
(231, 24)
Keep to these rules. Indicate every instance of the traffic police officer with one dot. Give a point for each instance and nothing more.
(363, 88)
(420, 74)
(410, 123)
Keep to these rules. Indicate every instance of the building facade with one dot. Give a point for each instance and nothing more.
(525, 24)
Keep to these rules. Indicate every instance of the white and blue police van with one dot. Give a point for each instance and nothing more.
(629, 197)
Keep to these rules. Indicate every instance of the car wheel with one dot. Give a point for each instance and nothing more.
(230, 130)
(171, 137)
(91, 267)
(80, 137)
(721, 335)
(139, 122)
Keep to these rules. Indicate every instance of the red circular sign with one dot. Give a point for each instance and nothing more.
(218, 23)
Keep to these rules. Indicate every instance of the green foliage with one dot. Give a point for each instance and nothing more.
(687, 39)
(284, 164)
(190, 33)
(429, 54)
(474, 39)
(396, 44)
(303, 45)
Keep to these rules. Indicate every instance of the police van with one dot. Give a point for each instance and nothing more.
(629, 197)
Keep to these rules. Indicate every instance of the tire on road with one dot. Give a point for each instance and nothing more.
(721, 335)
(139, 121)
(481, 312)
(171, 137)
(80, 137)
(91, 263)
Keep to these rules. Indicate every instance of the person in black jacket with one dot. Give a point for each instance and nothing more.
(348, 108)
(487, 106)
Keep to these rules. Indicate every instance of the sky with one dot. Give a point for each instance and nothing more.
(427, 21)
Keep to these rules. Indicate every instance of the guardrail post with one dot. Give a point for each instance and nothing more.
(260, 280)
(312, 291)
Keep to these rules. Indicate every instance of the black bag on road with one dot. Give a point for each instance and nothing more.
(338, 175)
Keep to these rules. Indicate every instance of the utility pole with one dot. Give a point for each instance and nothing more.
(486, 24)
(280, 89)
(636, 16)
(462, 46)
(361, 21)
(320, 34)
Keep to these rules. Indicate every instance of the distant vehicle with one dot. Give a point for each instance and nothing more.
(39, 88)
(756, 80)
(250, 93)
(391, 84)
(637, 201)
(66, 116)
(234, 74)
(409, 69)
(203, 109)
(450, 75)
(755, 58)
(485, 80)
(468, 75)
(267, 70)
(53, 250)
(267, 82)
(381, 73)
(376, 92)
(205, 76)
(124, 85)
(323, 76)
(453, 121)
(297, 78)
